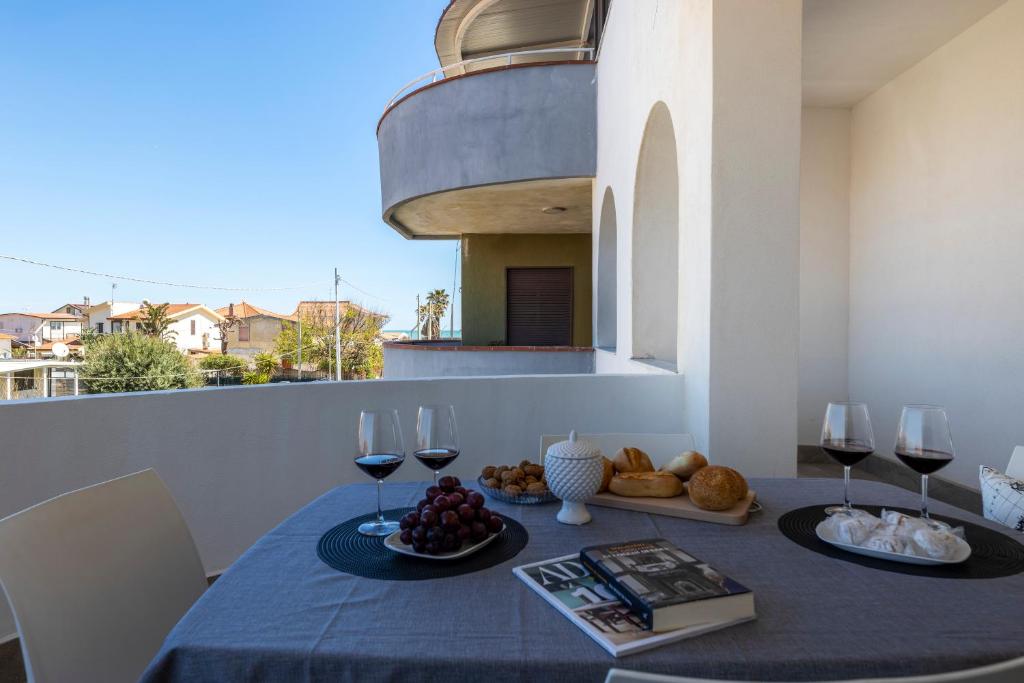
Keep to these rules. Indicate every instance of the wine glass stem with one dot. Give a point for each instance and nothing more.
(380, 512)
(924, 496)
(435, 477)
(846, 487)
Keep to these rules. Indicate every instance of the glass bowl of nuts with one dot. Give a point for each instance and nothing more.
(522, 484)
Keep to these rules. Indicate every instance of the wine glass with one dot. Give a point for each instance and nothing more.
(924, 444)
(381, 452)
(846, 435)
(437, 437)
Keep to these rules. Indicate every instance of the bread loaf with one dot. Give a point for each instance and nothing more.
(684, 465)
(717, 488)
(632, 460)
(606, 477)
(652, 484)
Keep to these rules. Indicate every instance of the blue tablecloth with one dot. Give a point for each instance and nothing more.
(279, 614)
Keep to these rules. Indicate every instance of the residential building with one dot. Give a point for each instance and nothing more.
(323, 311)
(33, 329)
(6, 350)
(789, 203)
(192, 326)
(37, 378)
(100, 314)
(257, 328)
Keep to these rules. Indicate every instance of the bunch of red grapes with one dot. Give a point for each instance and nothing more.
(449, 516)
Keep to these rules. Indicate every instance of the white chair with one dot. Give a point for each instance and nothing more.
(96, 579)
(1010, 671)
(661, 447)
(1015, 468)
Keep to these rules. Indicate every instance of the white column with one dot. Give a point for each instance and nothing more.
(10, 388)
(46, 381)
(754, 317)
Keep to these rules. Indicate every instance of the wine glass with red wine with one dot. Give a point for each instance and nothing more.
(924, 444)
(381, 452)
(846, 435)
(437, 437)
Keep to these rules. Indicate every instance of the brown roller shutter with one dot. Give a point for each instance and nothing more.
(539, 306)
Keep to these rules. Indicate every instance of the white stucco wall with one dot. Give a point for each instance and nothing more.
(824, 264)
(239, 460)
(937, 236)
(729, 74)
(204, 324)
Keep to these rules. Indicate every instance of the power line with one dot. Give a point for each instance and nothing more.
(129, 278)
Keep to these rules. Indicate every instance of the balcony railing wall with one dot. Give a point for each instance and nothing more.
(240, 459)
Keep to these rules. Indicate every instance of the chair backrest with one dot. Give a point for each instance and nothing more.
(1015, 468)
(1010, 671)
(97, 578)
(660, 447)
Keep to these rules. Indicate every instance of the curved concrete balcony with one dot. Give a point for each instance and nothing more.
(510, 149)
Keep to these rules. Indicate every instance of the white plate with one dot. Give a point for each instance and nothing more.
(963, 551)
(394, 544)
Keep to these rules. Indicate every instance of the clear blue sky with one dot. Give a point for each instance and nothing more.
(225, 143)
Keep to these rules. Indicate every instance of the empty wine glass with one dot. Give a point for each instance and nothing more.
(846, 435)
(381, 452)
(437, 437)
(924, 444)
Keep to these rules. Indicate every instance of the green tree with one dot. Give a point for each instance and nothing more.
(361, 352)
(432, 312)
(155, 321)
(135, 362)
(228, 365)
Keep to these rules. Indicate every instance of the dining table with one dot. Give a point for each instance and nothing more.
(279, 613)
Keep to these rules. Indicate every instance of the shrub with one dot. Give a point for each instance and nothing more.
(131, 361)
(230, 366)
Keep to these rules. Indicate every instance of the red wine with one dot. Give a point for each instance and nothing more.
(848, 454)
(925, 461)
(379, 466)
(436, 458)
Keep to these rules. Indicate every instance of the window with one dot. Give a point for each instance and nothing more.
(138, 327)
(115, 326)
(99, 327)
(69, 310)
(243, 332)
(193, 326)
(55, 324)
(539, 305)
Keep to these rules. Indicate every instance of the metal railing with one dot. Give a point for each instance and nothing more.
(507, 58)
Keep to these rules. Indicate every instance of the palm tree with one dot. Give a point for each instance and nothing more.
(433, 311)
(155, 321)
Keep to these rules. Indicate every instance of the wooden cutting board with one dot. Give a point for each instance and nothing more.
(680, 506)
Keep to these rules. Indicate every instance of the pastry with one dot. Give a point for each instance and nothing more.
(651, 484)
(852, 529)
(685, 464)
(717, 488)
(517, 479)
(609, 472)
(632, 460)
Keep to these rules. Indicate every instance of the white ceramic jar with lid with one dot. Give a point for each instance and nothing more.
(573, 470)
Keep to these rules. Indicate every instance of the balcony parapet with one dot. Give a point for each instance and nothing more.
(519, 122)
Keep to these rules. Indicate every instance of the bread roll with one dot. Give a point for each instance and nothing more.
(684, 465)
(632, 460)
(609, 472)
(652, 484)
(717, 488)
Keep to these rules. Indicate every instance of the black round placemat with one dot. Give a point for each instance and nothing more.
(993, 554)
(347, 550)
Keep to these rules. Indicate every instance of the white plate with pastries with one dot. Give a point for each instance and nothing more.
(961, 552)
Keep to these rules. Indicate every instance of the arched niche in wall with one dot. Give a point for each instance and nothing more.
(607, 278)
(655, 264)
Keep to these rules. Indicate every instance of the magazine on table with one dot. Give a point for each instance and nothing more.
(567, 585)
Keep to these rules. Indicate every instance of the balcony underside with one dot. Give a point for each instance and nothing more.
(526, 207)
